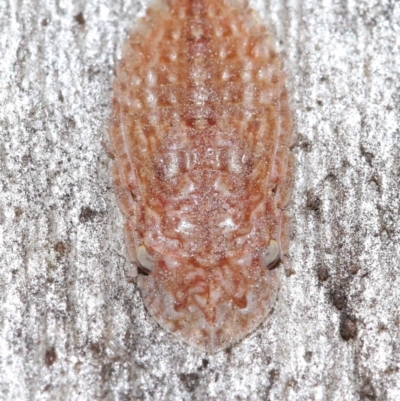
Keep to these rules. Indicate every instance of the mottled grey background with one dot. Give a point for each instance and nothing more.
(72, 326)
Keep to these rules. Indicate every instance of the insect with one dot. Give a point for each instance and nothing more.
(201, 131)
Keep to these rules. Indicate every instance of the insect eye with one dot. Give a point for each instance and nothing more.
(144, 259)
(271, 255)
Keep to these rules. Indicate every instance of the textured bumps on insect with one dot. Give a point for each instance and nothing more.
(201, 131)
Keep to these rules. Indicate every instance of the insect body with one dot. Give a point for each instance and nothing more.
(201, 132)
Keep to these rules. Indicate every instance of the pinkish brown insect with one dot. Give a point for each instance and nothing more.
(201, 131)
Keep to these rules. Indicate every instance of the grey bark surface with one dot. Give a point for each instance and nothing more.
(72, 323)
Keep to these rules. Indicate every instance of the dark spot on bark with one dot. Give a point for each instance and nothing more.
(50, 356)
(288, 271)
(26, 159)
(190, 381)
(228, 350)
(348, 327)
(106, 372)
(320, 103)
(92, 72)
(95, 348)
(308, 356)
(313, 202)
(302, 143)
(392, 369)
(273, 375)
(354, 269)
(61, 248)
(18, 212)
(384, 234)
(367, 391)
(87, 214)
(323, 273)
(368, 156)
(331, 177)
(339, 299)
(376, 182)
(45, 22)
(71, 123)
(323, 79)
(79, 18)
(292, 383)
(60, 97)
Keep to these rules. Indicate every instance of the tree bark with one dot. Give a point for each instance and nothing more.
(73, 325)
